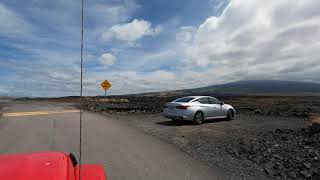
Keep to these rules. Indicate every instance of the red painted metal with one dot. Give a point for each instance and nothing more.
(91, 172)
(46, 166)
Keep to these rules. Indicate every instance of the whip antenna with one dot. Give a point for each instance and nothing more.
(81, 97)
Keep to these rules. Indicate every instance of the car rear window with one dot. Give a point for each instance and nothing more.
(187, 99)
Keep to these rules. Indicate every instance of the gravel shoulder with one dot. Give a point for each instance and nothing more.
(229, 144)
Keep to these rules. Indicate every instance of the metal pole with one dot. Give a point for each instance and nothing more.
(81, 96)
(105, 99)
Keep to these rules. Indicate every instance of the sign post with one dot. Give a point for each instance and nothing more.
(105, 85)
(105, 99)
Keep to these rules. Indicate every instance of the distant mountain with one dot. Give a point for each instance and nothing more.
(264, 86)
(252, 87)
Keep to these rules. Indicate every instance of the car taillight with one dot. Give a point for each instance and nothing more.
(182, 107)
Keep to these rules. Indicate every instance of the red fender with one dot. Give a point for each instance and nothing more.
(46, 166)
(91, 172)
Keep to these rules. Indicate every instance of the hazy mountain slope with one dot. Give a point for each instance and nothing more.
(252, 87)
(265, 86)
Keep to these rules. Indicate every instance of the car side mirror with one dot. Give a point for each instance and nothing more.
(222, 103)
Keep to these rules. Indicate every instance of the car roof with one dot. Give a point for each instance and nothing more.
(197, 97)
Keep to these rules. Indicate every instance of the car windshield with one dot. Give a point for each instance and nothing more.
(186, 99)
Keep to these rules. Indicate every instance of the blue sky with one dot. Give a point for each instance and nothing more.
(143, 45)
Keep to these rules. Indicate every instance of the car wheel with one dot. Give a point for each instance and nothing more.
(198, 118)
(174, 119)
(230, 115)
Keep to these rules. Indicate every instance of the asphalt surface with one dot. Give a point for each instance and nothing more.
(125, 152)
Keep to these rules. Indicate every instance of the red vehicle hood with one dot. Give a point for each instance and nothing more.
(37, 166)
(45, 166)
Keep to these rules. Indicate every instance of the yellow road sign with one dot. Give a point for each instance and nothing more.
(105, 85)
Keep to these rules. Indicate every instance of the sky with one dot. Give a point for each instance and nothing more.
(154, 45)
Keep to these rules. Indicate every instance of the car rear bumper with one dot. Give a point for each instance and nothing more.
(178, 117)
(186, 114)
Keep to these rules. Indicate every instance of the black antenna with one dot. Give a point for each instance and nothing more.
(81, 98)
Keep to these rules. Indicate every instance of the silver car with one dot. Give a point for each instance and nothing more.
(198, 109)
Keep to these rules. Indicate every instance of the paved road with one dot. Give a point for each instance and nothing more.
(125, 152)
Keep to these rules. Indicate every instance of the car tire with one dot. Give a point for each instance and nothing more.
(174, 119)
(230, 115)
(198, 118)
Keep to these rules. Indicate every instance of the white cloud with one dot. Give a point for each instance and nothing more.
(102, 13)
(131, 31)
(159, 55)
(127, 82)
(4, 90)
(185, 34)
(259, 39)
(252, 39)
(107, 59)
(11, 24)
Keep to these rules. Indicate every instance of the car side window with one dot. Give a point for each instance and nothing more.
(204, 101)
(214, 101)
